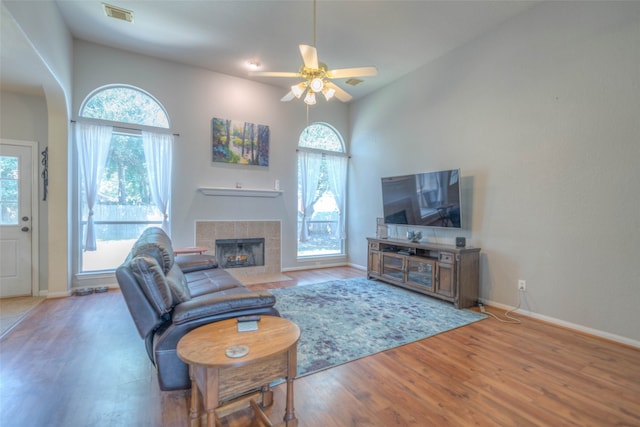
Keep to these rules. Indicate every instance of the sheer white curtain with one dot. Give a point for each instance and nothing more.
(158, 151)
(93, 143)
(309, 164)
(337, 177)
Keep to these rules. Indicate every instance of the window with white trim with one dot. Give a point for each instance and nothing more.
(124, 153)
(322, 185)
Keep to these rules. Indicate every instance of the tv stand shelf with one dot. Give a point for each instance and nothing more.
(442, 271)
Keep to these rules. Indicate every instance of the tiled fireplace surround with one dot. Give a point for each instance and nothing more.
(207, 232)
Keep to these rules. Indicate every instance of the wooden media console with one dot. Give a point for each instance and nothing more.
(442, 271)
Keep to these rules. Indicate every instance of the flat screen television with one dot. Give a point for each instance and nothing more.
(430, 199)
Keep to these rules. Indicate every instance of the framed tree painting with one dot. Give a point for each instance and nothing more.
(239, 142)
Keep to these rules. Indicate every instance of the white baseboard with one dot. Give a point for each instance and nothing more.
(358, 266)
(568, 325)
(93, 280)
(63, 294)
(340, 264)
(315, 266)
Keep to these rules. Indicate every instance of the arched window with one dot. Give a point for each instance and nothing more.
(322, 178)
(125, 104)
(124, 153)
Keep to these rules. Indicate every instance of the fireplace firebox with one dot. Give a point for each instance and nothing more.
(237, 253)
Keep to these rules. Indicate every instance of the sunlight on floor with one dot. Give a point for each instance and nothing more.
(12, 310)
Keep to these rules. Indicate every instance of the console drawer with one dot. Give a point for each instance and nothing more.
(446, 257)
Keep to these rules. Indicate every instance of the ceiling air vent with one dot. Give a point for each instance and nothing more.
(353, 81)
(118, 12)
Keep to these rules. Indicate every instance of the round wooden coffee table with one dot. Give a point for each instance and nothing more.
(223, 381)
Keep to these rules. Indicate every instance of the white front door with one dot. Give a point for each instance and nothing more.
(15, 220)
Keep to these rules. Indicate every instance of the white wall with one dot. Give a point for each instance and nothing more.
(24, 117)
(192, 97)
(542, 116)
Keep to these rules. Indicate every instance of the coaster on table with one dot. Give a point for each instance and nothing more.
(237, 351)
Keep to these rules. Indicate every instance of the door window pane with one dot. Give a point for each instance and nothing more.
(9, 191)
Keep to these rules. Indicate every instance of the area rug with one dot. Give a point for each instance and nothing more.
(344, 320)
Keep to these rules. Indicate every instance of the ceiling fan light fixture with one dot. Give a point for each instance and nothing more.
(317, 84)
(317, 77)
(298, 89)
(310, 99)
(328, 93)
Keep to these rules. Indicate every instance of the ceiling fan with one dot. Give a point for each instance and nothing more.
(316, 75)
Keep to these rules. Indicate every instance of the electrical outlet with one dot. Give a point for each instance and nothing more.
(522, 285)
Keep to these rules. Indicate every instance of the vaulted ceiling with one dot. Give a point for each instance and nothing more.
(396, 36)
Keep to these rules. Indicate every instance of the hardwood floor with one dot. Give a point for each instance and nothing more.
(79, 361)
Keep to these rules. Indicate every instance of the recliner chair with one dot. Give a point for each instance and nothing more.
(166, 303)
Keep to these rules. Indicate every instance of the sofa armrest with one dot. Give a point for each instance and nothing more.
(189, 263)
(214, 304)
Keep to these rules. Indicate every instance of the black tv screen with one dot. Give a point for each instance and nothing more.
(430, 199)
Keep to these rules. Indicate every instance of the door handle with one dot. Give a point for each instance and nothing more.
(25, 229)
(25, 218)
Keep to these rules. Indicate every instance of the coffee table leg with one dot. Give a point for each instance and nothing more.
(212, 419)
(289, 411)
(267, 396)
(194, 412)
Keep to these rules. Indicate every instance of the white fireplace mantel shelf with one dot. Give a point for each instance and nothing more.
(239, 192)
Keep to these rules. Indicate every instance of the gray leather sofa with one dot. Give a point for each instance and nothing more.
(169, 295)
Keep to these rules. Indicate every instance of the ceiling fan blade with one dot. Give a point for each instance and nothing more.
(309, 56)
(288, 97)
(341, 94)
(273, 74)
(344, 73)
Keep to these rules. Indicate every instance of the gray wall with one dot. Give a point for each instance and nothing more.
(192, 97)
(46, 33)
(542, 116)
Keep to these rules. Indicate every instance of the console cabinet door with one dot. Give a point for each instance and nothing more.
(421, 272)
(393, 266)
(446, 276)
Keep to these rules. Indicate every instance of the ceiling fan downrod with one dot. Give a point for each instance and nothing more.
(314, 23)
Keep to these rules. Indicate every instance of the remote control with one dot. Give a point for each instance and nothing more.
(247, 326)
(254, 318)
